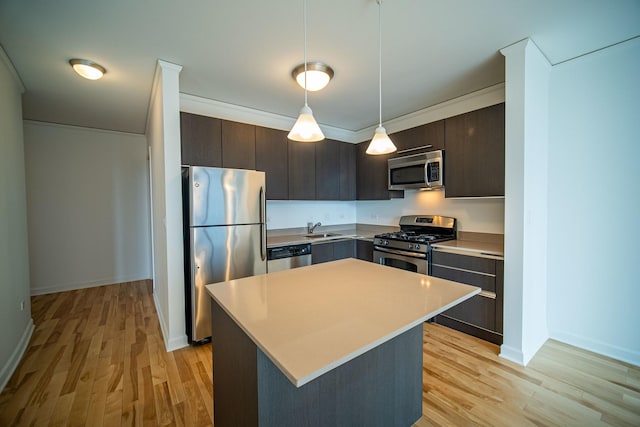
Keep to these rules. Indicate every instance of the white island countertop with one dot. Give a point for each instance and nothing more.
(313, 319)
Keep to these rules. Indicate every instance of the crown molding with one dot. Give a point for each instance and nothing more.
(473, 101)
(222, 110)
(4, 58)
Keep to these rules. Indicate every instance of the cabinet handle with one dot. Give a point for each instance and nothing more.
(422, 147)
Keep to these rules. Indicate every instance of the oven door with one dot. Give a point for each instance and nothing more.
(403, 260)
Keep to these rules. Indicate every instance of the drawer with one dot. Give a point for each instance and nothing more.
(477, 310)
(484, 281)
(465, 262)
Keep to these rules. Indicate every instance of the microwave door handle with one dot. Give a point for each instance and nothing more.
(427, 173)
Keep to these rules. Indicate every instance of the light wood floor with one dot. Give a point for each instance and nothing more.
(97, 358)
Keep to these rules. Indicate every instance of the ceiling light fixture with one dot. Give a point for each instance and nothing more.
(380, 143)
(306, 128)
(87, 69)
(317, 76)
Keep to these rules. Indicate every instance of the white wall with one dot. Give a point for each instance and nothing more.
(88, 207)
(482, 215)
(16, 325)
(594, 202)
(163, 134)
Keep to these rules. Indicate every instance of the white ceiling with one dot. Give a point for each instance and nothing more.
(241, 52)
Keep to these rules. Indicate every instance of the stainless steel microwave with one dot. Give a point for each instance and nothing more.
(423, 170)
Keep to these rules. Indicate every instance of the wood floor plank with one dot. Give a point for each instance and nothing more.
(97, 358)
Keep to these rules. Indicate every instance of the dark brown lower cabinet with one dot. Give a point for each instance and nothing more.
(332, 250)
(481, 315)
(364, 250)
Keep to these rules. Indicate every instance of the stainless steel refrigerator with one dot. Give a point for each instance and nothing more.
(225, 236)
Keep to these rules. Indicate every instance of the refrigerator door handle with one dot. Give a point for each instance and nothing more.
(263, 228)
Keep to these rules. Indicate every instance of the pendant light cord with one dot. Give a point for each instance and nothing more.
(379, 62)
(304, 19)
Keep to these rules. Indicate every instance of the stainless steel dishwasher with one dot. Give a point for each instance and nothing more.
(288, 257)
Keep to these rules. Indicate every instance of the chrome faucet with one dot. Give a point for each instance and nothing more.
(311, 226)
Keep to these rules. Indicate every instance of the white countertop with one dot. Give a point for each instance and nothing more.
(312, 319)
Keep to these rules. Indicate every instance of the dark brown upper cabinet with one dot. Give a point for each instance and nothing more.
(419, 139)
(327, 170)
(474, 153)
(201, 143)
(238, 145)
(347, 171)
(271, 157)
(371, 180)
(302, 170)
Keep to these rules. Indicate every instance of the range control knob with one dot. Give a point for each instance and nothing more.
(386, 242)
(410, 246)
(417, 246)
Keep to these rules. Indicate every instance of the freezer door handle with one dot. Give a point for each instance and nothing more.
(263, 228)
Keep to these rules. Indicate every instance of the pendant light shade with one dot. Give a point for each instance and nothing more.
(380, 143)
(306, 128)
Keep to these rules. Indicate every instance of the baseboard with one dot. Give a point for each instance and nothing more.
(512, 354)
(619, 353)
(16, 356)
(43, 290)
(169, 343)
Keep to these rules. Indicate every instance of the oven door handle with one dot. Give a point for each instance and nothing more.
(401, 252)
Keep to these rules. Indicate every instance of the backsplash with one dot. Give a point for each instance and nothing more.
(485, 215)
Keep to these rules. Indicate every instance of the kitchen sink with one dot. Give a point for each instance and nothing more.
(321, 235)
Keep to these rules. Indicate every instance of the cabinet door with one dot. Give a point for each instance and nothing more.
(364, 250)
(343, 249)
(347, 171)
(302, 170)
(238, 145)
(327, 170)
(371, 180)
(477, 310)
(474, 153)
(422, 138)
(200, 140)
(271, 158)
(321, 252)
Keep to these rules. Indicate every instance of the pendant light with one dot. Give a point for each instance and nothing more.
(306, 128)
(380, 143)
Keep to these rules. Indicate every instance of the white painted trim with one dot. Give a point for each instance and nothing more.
(512, 354)
(13, 362)
(170, 344)
(73, 127)
(486, 97)
(473, 101)
(43, 290)
(4, 58)
(209, 107)
(596, 346)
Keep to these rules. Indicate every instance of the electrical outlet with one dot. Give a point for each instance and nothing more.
(22, 305)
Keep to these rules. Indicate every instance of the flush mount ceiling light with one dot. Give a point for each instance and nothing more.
(380, 143)
(87, 69)
(317, 76)
(306, 128)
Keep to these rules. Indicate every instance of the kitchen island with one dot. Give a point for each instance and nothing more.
(338, 343)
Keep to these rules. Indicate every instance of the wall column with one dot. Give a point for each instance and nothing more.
(163, 134)
(526, 200)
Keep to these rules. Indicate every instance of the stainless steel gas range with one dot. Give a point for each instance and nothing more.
(410, 248)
